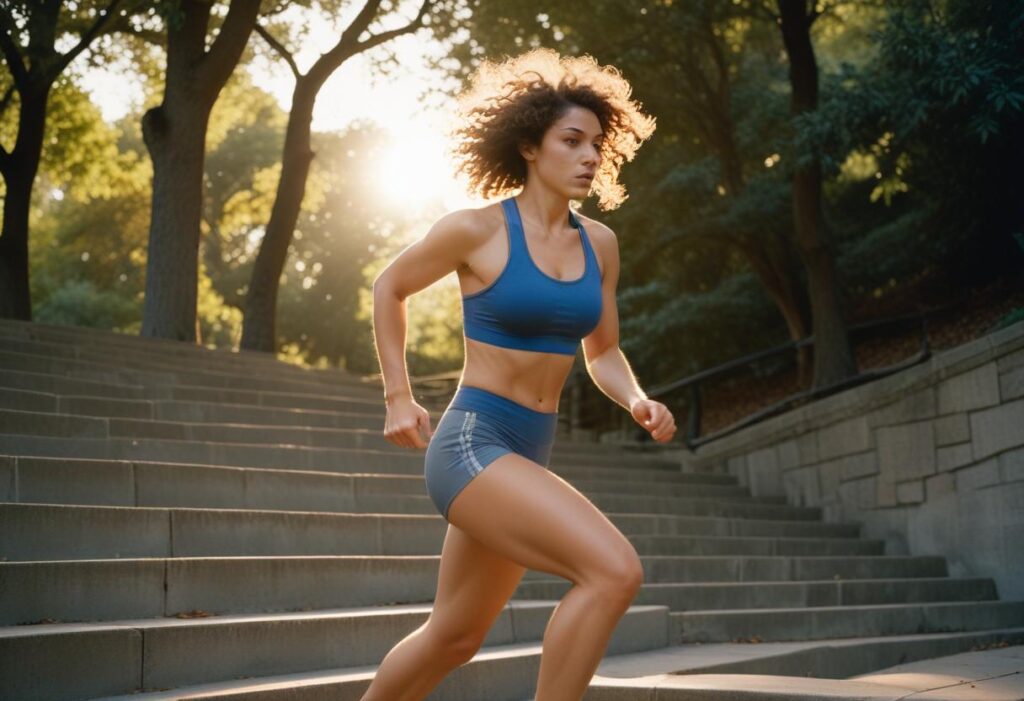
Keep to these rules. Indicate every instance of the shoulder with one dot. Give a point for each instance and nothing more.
(462, 231)
(469, 224)
(599, 232)
(602, 238)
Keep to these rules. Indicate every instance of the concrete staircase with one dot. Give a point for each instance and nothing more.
(177, 522)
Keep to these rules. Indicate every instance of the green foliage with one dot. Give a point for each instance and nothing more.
(936, 116)
(80, 303)
(697, 327)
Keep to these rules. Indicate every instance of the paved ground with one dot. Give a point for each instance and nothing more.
(994, 674)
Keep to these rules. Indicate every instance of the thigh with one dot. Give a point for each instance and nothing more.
(533, 517)
(473, 585)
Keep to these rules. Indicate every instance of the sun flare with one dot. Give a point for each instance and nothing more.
(414, 171)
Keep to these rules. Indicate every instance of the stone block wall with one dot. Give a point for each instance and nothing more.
(931, 459)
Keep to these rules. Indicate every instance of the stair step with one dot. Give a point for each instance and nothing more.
(768, 569)
(278, 457)
(109, 369)
(72, 426)
(844, 621)
(149, 587)
(755, 545)
(185, 358)
(358, 416)
(164, 653)
(127, 483)
(68, 532)
(714, 597)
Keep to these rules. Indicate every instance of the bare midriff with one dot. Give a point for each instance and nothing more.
(530, 378)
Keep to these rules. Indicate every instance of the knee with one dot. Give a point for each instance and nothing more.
(621, 577)
(457, 647)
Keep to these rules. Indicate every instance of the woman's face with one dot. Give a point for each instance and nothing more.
(569, 153)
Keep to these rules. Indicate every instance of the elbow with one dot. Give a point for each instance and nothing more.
(601, 353)
(383, 286)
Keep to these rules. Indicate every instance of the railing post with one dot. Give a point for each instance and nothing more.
(693, 421)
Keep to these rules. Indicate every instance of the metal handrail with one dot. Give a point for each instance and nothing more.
(691, 384)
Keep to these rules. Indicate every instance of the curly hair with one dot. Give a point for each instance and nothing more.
(516, 100)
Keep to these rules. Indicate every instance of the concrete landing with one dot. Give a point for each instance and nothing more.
(993, 674)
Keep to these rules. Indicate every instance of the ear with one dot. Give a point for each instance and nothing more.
(527, 150)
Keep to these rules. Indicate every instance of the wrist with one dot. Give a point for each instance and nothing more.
(633, 402)
(397, 395)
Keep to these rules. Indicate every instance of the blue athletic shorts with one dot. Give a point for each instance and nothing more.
(477, 427)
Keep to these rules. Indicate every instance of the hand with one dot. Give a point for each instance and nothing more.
(407, 424)
(655, 417)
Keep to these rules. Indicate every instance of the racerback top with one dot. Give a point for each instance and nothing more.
(525, 308)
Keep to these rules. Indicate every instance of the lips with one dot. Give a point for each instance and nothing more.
(585, 176)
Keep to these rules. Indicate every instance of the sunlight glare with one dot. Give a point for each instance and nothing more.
(414, 171)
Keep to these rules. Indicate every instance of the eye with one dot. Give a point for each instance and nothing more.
(570, 139)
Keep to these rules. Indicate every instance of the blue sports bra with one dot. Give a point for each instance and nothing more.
(525, 308)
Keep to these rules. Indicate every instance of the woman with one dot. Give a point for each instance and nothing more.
(536, 279)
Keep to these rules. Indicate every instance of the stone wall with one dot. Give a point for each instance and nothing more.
(931, 459)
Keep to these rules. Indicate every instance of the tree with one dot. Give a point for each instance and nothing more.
(833, 356)
(261, 301)
(29, 32)
(175, 135)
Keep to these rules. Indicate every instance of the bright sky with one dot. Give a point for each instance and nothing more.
(415, 172)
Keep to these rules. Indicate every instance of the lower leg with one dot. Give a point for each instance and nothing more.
(575, 640)
(412, 668)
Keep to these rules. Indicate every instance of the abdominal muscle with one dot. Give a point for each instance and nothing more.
(531, 378)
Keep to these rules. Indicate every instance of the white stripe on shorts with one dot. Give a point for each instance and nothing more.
(466, 440)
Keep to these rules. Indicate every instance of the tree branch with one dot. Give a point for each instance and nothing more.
(350, 37)
(814, 14)
(8, 30)
(222, 57)
(151, 36)
(718, 57)
(347, 46)
(84, 42)
(279, 48)
(415, 24)
(6, 99)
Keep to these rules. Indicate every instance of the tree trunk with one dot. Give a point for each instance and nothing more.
(19, 172)
(175, 134)
(259, 327)
(775, 266)
(771, 255)
(176, 145)
(833, 356)
(33, 69)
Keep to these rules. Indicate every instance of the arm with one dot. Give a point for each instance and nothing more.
(606, 363)
(419, 265)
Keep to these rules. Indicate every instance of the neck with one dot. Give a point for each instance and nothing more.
(544, 208)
